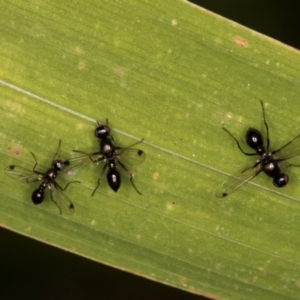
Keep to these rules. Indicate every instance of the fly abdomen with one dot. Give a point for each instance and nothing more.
(114, 179)
(37, 196)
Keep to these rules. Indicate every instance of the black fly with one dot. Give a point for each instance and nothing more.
(48, 180)
(112, 155)
(269, 162)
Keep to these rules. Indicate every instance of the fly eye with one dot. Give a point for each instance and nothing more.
(281, 180)
(102, 131)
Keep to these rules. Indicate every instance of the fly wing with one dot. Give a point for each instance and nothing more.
(289, 150)
(80, 164)
(237, 181)
(130, 156)
(59, 198)
(23, 174)
(73, 166)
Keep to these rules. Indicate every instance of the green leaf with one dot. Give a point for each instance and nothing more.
(173, 74)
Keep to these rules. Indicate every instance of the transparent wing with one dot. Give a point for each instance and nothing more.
(237, 181)
(82, 163)
(72, 167)
(59, 198)
(289, 150)
(130, 156)
(23, 174)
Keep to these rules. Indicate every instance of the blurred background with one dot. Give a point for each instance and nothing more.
(276, 19)
(44, 272)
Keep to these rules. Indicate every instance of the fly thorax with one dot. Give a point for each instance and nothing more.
(106, 145)
(50, 175)
(107, 148)
(266, 157)
(271, 168)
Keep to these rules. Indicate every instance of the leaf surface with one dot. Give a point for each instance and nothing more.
(173, 74)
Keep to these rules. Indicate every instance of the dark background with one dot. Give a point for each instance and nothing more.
(278, 19)
(30, 269)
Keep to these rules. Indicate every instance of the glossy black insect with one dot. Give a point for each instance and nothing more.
(112, 155)
(270, 162)
(48, 180)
